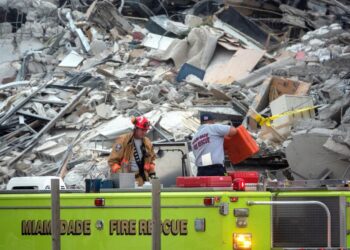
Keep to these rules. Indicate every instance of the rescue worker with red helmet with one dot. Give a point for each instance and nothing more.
(133, 152)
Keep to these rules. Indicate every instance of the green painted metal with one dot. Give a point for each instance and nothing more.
(345, 194)
(186, 206)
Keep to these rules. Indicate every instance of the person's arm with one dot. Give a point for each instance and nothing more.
(232, 131)
(223, 130)
(114, 159)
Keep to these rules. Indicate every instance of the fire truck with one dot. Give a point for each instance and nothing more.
(198, 213)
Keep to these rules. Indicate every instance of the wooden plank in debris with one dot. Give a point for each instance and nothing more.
(283, 86)
(271, 134)
(229, 46)
(238, 67)
(261, 100)
(273, 87)
(219, 94)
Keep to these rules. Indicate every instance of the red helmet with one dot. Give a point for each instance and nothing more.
(141, 122)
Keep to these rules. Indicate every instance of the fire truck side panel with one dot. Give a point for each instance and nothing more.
(313, 228)
(125, 220)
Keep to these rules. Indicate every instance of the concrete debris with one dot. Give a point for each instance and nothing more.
(307, 149)
(179, 123)
(177, 28)
(72, 60)
(72, 75)
(7, 47)
(7, 73)
(104, 111)
(158, 42)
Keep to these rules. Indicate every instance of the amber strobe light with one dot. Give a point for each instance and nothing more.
(242, 241)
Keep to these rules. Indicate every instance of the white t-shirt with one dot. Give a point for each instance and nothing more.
(208, 144)
(133, 164)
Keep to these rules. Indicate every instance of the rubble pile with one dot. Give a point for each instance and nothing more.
(72, 74)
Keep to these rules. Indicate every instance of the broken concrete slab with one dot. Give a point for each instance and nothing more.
(196, 82)
(258, 76)
(110, 130)
(36, 68)
(338, 148)
(104, 111)
(97, 47)
(150, 92)
(334, 110)
(306, 149)
(7, 73)
(8, 53)
(31, 44)
(47, 145)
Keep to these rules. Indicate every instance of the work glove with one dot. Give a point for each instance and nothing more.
(115, 168)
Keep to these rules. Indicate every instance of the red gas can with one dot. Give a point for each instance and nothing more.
(240, 146)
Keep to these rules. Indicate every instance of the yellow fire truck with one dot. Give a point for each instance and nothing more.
(288, 215)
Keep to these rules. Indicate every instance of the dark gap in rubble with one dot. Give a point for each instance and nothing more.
(299, 4)
(147, 8)
(75, 2)
(206, 8)
(14, 17)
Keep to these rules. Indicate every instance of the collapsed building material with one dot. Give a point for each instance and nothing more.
(48, 126)
(158, 42)
(23, 102)
(242, 28)
(273, 87)
(72, 60)
(83, 39)
(170, 26)
(123, 82)
(258, 76)
(196, 49)
(13, 84)
(188, 69)
(238, 67)
(105, 15)
(309, 159)
(300, 107)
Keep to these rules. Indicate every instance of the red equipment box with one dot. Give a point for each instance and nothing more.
(240, 146)
(204, 181)
(247, 176)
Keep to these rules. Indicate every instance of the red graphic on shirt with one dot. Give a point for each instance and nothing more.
(200, 141)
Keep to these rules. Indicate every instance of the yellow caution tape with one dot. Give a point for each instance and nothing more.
(267, 120)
